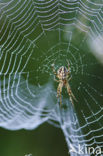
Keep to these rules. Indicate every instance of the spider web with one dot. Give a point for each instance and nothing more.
(34, 35)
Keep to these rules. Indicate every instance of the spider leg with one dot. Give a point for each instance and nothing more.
(71, 95)
(52, 66)
(56, 79)
(69, 78)
(68, 67)
(59, 91)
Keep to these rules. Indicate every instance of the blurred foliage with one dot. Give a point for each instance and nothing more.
(44, 141)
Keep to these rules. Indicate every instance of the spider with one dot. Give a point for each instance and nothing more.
(63, 75)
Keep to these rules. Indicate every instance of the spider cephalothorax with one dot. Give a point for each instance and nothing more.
(63, 75)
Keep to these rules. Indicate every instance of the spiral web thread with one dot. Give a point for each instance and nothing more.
(36, 34)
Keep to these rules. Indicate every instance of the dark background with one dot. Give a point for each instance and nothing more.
(46, 140)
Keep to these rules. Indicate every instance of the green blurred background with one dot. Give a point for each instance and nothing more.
(46, 140)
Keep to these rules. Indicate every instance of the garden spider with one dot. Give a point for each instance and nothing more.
(63, 74)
